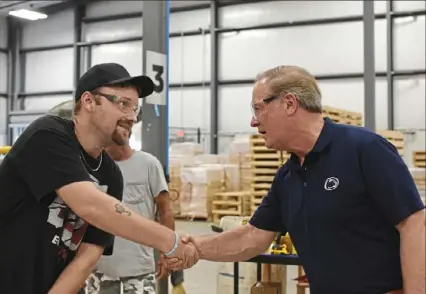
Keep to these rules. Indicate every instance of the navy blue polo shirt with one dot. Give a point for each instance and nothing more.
(341, 208)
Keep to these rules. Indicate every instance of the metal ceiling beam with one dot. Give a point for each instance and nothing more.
(139, 14)
(55, 8)
(5, 5)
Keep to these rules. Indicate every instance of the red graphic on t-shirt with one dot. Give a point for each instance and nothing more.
(71, 228)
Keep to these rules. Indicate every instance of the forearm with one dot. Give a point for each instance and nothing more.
(239, 244)
(167, 219)
(114, 217)
(108, 214)
(72, 279)
(413, 258)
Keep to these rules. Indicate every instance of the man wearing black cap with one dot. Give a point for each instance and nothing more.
(60, 193)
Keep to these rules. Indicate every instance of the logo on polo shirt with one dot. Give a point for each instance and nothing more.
(331, 183)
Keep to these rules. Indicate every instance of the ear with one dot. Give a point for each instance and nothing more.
(87, 101)
(291, 103)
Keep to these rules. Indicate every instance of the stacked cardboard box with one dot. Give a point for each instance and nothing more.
(199, 185)
(180, 155)
(239, 154)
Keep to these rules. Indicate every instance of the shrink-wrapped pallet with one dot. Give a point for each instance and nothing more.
(176, 162)
(239, 154)
(180, 155)
(206, 159)
(198, 185)
(175, 183)
(231, 177)
(185, 148)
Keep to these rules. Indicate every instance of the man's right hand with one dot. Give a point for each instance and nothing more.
(185, 256)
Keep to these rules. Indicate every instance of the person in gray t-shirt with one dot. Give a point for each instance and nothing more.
(132, 266)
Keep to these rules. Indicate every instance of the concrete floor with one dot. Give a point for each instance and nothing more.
(203, 277)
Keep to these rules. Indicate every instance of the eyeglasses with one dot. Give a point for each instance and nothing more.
(257, 109)
(125, 104)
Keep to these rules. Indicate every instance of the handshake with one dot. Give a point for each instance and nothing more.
(185, 254)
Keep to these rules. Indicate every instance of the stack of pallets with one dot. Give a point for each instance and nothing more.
(419, 172)
(264, 165)
(394, 137)
(419, 158)
(235, 203)
(342, 116)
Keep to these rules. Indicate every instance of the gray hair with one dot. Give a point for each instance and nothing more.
(287, 79)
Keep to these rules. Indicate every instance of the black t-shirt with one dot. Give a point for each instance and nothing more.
(39, 233)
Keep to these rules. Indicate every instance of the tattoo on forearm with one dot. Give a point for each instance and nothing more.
(121, 209)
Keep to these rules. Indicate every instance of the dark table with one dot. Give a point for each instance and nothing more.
(260, 259)
(265, 259)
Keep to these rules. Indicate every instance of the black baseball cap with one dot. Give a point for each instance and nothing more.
(109, 74)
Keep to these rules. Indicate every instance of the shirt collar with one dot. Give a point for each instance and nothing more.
(324, 139)
(325, 136)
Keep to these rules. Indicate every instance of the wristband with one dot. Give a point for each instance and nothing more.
(175, 246)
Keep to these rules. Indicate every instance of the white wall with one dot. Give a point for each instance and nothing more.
(322, 49)
(189, 56)
(3, 79)
(51, 70)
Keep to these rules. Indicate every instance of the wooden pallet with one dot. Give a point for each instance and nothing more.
(421, 185)
(256, 198)
(257, 146)
(419, 158)
(264, 165)
(285, 156)
(342, 116)
(394, 137)
(261, 181)
(344, 120)
(230, 204)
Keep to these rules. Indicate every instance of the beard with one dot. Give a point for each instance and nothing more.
(121, 134)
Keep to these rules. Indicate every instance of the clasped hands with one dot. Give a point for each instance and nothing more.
(186, 256)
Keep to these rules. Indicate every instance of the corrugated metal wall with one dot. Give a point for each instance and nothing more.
(329, 50)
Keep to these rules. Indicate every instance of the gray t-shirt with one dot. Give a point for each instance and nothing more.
(143, 180)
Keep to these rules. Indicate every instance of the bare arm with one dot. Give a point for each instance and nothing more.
(164, 210)
(239, 244)
(110, 215)
(72, 279)
(412, 231)
(166, 218)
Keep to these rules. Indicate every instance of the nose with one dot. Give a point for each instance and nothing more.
(132, 117)
(254, 122)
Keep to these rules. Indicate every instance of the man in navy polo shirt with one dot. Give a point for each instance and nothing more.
(345, 196)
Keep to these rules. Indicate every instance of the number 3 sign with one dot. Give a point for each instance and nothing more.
(156, 70)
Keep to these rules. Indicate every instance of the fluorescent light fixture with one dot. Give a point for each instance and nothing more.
(28, 14)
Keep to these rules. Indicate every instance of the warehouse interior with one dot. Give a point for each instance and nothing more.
(367, 56)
